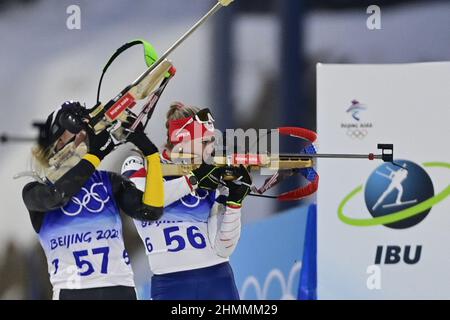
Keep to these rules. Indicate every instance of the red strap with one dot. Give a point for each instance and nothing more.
(298, 133)
(301, 192)
(311, 187)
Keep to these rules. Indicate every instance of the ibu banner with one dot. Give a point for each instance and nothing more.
(383, 228)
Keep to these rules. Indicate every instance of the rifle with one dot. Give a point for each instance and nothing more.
(278, 166)
(117, 111)
(150, 84)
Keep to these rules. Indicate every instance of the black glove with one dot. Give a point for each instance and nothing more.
(142, 142)
(239, 190)
(139, 138)
(208, 176)
(101, 144)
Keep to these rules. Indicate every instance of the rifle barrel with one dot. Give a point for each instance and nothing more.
(331, 155)
(179, 41)
(5, 138)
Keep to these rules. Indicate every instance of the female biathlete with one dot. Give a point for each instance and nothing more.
(189, 246)
(75, 208)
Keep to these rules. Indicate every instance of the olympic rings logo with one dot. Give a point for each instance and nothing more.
(357, 133)
(87, 200)
(197, 197)
(274, 275)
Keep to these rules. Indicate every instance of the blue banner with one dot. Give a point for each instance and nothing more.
(268, 260)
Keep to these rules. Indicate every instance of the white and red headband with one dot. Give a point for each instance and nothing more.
(199, 126)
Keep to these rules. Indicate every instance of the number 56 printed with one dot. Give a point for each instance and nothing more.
(175, 239)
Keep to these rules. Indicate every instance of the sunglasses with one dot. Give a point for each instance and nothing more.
(204, 116)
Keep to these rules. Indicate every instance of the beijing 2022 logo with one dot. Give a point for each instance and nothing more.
(355, 126)
(397, 195)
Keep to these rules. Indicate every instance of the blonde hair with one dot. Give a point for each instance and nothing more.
(178, 110)
(40, 157)
(52, 166)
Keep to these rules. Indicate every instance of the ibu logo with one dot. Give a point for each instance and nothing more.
(398, 254)
(393, 188)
